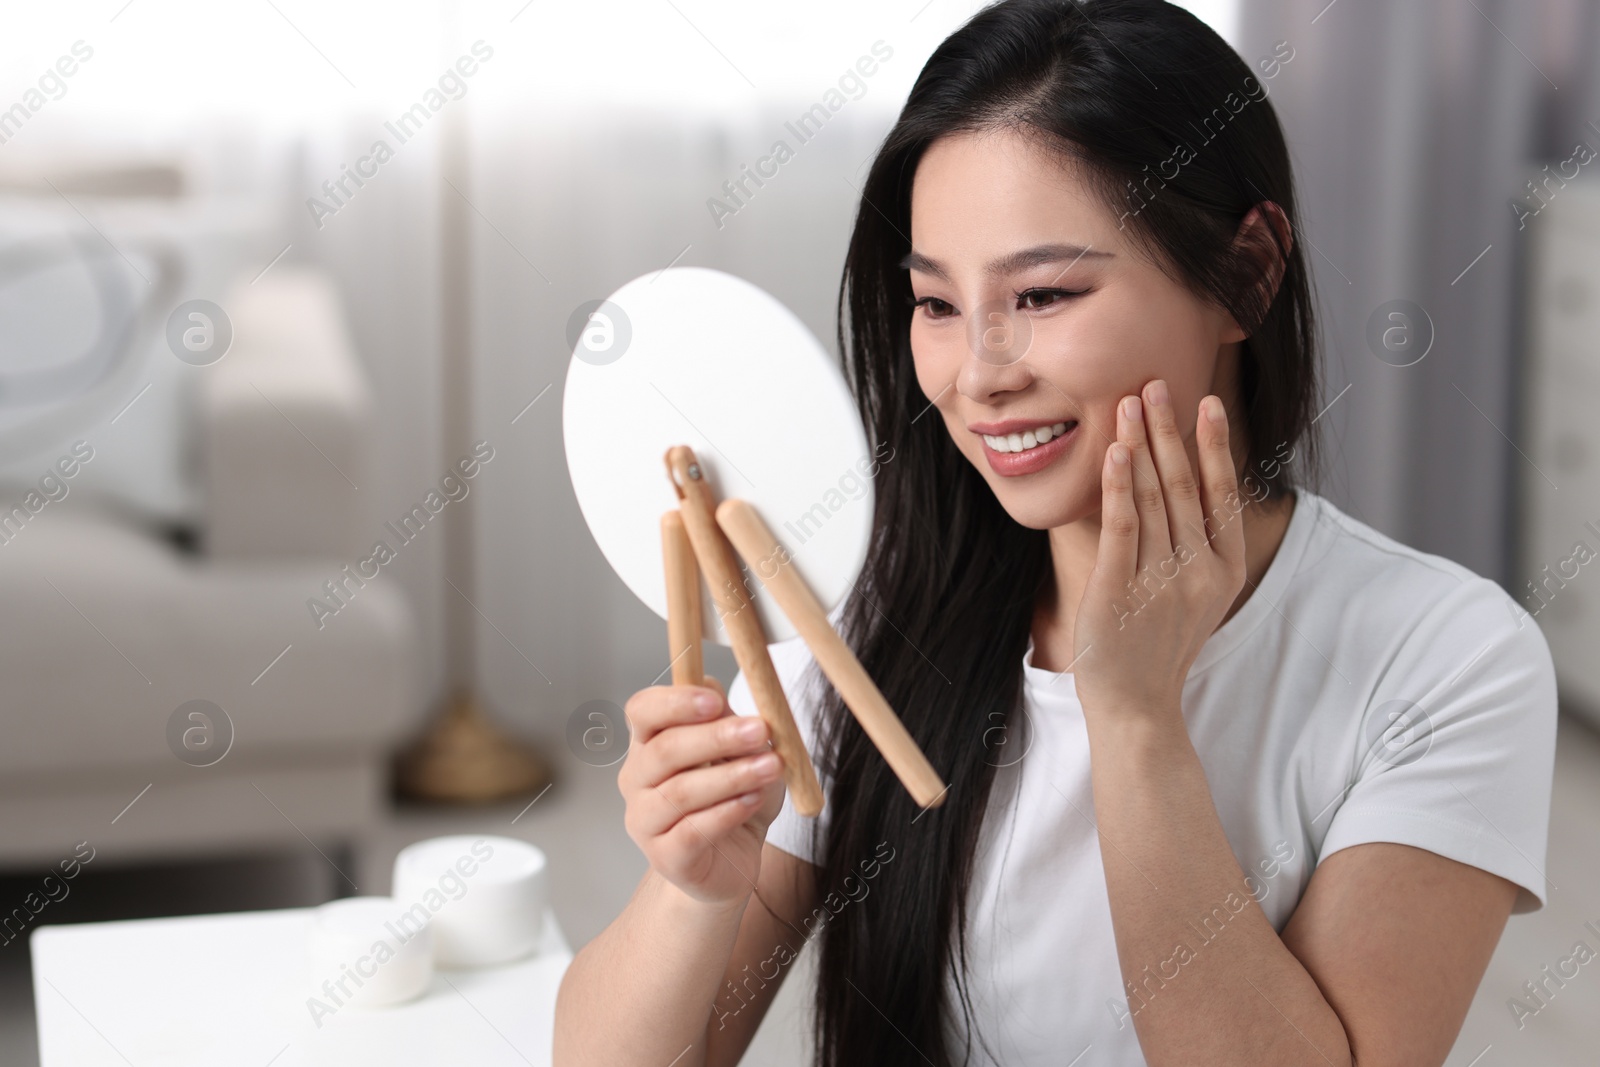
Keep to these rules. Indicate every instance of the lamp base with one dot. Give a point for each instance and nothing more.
(463, 758)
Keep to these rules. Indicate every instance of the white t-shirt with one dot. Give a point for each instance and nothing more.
(1365, 691)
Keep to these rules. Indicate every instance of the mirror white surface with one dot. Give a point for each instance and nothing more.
(698, 357)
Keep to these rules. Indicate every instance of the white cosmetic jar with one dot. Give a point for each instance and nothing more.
(485, 896)
(366, 952)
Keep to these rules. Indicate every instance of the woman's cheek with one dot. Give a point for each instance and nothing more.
(1105, 420)
(934, 369)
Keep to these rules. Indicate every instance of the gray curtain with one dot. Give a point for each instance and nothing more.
(1413, 126)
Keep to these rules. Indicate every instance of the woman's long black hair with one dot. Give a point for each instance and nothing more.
(942, 614)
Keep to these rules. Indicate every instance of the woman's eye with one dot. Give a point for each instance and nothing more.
(1037, 299)
(935, 308)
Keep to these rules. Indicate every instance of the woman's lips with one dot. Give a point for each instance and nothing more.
(1029, 461)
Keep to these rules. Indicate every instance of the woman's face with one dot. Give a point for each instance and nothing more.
(1036, 310)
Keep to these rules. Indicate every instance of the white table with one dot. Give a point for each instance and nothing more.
(232, 989)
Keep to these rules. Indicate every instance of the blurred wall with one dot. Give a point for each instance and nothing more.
(1414, 127)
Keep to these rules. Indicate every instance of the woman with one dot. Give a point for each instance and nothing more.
(1234, 779)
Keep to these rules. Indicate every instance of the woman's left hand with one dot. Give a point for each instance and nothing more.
(1162, 581)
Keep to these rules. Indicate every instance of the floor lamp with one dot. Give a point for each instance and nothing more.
(462, 757)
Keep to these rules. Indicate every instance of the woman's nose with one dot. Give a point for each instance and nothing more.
(997, 340)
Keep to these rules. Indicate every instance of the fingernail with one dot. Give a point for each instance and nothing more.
(750, 800)
(1119, 453)
(1133, 409)
(749, 730)
(765, 765)
(1158, 392)
(1214, 410)
(706, 703)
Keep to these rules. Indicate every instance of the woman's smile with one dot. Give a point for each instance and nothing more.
(1016, 448)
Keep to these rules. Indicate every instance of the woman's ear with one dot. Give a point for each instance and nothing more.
(1264, 239)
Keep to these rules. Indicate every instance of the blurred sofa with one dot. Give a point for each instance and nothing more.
(112, 626)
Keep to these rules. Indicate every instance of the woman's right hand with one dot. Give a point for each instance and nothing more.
(701, 785)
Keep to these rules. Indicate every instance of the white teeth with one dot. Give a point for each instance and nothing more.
(1016, 442)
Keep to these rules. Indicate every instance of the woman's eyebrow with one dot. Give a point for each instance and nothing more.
(1037, 256)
